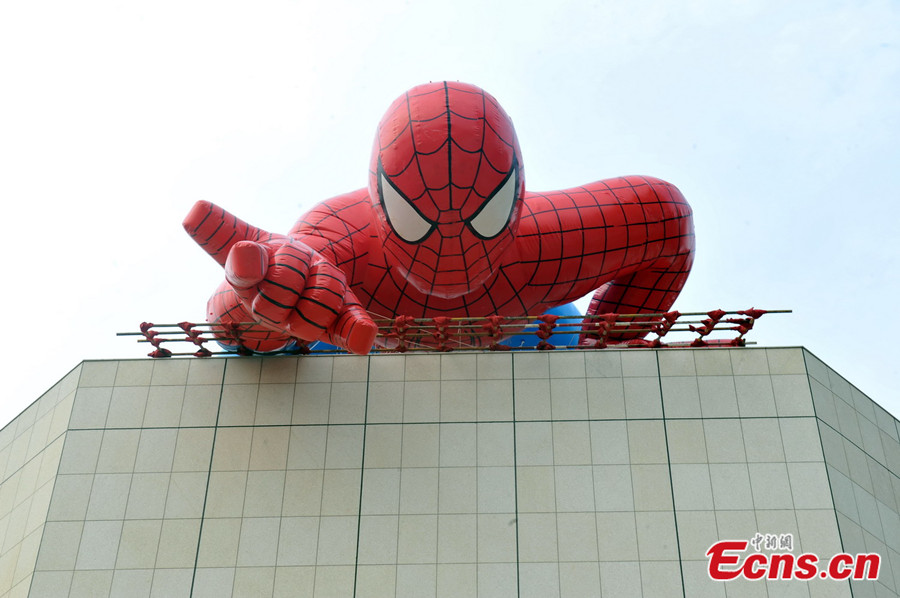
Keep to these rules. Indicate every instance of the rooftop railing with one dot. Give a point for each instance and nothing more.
(493, 333)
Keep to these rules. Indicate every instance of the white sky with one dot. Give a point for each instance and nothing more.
(778, 120)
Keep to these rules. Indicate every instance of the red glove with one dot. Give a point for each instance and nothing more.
(285, 285)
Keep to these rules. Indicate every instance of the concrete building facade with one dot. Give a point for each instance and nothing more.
(531, 474)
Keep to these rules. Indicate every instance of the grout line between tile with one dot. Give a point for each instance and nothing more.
(515, 476)
(362, 474)
(212, 453)
(671, 483)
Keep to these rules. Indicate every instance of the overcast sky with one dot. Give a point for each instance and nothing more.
(777, 120)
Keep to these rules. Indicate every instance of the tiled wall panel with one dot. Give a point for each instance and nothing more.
(30, 450)
(861, 447)
(596, 473)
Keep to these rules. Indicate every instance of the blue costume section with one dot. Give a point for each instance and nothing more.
(322, 346)
(569, 317)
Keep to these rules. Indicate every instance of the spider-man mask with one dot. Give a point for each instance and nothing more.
(446, 182)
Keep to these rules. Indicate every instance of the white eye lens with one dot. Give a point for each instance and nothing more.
(403, 217)
(493, 216)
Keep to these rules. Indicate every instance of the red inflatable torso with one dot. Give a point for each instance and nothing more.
(446, 228)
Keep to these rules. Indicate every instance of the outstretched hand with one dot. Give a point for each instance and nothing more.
(286, 285)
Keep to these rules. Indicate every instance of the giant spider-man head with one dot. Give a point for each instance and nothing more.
(446, 182)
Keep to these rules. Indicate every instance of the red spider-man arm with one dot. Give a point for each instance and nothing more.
(630, 238)
(341, 230)
(285, 285)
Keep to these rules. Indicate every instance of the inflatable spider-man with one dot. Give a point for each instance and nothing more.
(446, 228)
